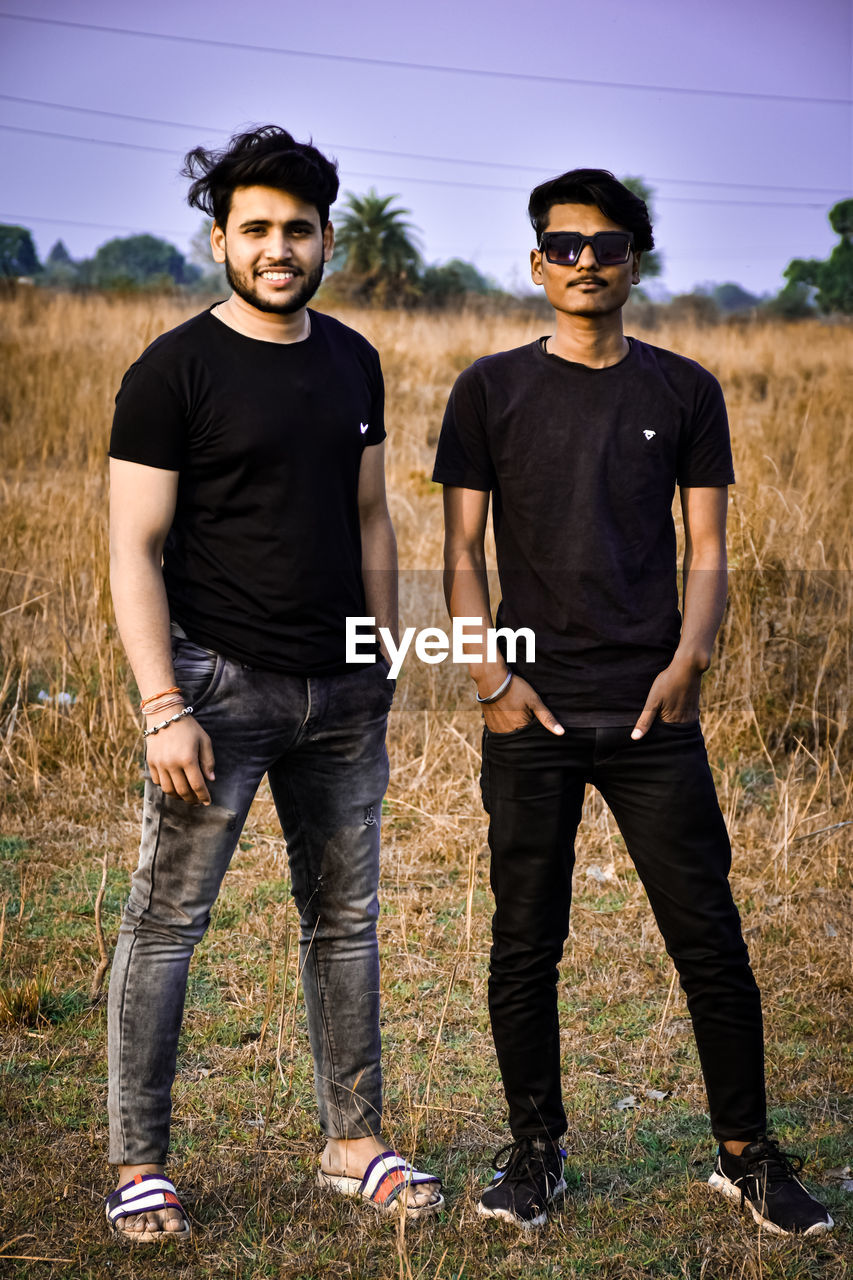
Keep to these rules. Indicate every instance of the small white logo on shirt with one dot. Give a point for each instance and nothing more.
(362, 426)
(647, 434)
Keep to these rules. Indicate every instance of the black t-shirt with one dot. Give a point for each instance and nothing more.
(263, 560)
(582, 465)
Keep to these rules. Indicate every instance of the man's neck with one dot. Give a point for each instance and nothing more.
(596, 341)
(264, 326)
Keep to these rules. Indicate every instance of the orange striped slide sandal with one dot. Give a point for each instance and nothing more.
(145, 1193)
(384, 1179)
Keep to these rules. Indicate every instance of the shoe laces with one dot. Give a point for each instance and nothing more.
(773, 1164)
(767, 1163)
(524, 1158)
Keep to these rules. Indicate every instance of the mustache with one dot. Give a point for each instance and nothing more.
(585, 279)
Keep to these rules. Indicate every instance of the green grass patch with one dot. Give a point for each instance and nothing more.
(245, 1135)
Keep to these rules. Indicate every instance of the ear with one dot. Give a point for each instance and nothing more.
(536, 266)
(328, 241)
(217, 242)
(635, 275)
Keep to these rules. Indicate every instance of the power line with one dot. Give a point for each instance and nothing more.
(112, 115)
(434, 182)
(96, 226)
(98, 142)
(408, 155)
(196, 40)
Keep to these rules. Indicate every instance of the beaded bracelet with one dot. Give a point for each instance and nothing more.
(187, 711)
(498, 693)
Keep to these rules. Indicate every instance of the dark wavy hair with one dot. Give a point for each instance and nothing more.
(598, 187)
(267, 156)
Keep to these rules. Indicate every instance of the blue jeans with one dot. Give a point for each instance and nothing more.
(321, 741)
(661, 793)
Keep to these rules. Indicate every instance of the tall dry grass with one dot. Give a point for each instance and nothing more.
(776, 707)
(781, 681)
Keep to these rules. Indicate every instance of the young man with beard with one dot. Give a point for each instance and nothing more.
(248, 520)
(581, 438)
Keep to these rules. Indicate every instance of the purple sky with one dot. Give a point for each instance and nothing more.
(743, 175)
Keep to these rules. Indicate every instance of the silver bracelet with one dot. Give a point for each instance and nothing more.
(493, 697)
(164, 724)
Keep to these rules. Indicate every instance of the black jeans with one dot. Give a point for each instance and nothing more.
(661, 793)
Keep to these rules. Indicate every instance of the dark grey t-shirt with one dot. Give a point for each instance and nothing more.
(582, 466)
(263, 560)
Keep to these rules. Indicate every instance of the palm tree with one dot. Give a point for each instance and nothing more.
(382, 253)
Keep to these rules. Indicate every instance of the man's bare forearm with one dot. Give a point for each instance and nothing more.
(704, 574)
(466, 582)
(142, 506)
(704, 604)
(180, 761)
(142, 614)
(379, 572)
(674, 694)
(466, 590)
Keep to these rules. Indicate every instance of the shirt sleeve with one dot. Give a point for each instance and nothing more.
(705, 452)
(463, 458)
(375, 433)
(149, 423)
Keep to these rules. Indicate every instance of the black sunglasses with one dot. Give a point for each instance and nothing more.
(565, 247)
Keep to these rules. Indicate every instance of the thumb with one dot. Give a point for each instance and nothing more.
(205, 758)
(544, 716)
(646, 720)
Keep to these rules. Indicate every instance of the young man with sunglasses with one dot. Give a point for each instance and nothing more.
(580, 438)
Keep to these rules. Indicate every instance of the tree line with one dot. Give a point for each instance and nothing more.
(379, 262)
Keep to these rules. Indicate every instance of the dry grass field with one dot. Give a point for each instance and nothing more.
(776, 706)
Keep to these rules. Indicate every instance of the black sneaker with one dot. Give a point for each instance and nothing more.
(530, 1177)
(765, 1179)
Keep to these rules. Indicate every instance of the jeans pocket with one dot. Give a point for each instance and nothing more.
(197, 670)
(382, 666)
(511, 733)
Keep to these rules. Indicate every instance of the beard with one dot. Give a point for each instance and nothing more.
(306, 286)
